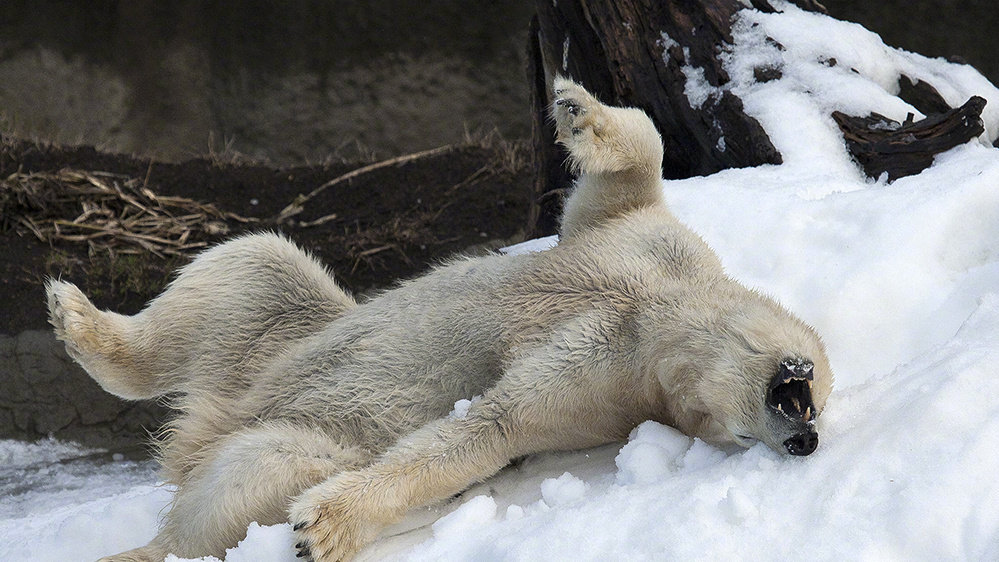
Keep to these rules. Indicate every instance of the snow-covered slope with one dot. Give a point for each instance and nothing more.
(901, 279)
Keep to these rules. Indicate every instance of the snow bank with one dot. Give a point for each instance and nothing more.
(62, 502)
(902, 280)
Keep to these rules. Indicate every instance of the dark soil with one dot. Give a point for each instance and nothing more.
(392, 222)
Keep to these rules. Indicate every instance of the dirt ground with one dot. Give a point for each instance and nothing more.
(374, 223)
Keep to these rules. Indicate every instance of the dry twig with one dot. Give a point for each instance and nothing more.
(298, 205)
(109, 212)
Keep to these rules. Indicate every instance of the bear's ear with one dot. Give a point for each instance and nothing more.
(674, 372)
(790, 390)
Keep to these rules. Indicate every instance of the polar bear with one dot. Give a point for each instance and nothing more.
(297, 404)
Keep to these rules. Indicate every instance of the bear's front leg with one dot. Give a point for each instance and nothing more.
(556, 396)
(338, 517)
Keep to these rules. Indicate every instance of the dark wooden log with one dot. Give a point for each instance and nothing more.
(921, 95)
(632, 53)
(881, 145)
(551, 177)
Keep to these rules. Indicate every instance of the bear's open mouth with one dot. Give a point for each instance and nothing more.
(790, 391)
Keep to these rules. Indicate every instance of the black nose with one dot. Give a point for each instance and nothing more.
(802, 444)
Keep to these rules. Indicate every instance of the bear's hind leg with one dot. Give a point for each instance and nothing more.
(228, 313)
(98, 341)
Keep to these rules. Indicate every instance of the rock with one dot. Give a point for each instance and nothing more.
(47, 394)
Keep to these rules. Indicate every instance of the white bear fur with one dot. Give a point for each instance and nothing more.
(295, 403)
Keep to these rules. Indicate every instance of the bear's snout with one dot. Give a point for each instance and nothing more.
(802, 444)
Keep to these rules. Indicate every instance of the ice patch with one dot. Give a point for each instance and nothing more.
(20, 454)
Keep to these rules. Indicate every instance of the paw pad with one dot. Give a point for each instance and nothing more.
(571, 106)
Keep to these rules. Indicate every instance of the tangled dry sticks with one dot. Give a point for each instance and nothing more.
(112, 213)
(418, 206)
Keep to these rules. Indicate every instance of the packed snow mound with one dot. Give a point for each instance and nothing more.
(653, 453)
(901, 279)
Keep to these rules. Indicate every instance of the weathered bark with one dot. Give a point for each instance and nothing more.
(546, 156)
(883, 146)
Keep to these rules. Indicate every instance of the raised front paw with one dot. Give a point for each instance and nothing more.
(335, 519)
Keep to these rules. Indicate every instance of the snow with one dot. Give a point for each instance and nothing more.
(652, 452)
(667, 42)
(461, 407)
(262, 543)
(901, 279)
(473, 514)
(562, 491)
(696, 88)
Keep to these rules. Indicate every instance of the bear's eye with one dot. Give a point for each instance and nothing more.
(790, 390)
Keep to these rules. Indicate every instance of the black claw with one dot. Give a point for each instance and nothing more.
(301, 545)
(303, 553)
(570, 105)
(298, 526)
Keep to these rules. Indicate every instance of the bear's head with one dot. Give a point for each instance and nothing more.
(742, 369)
